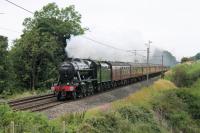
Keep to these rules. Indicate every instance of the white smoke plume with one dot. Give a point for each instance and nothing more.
(81, 47)
(168, 58)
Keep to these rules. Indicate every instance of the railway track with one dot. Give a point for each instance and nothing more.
(34, 103)
(43, 102)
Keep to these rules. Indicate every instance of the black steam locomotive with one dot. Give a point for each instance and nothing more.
(81, 77)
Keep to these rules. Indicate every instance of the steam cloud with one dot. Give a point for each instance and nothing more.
(168, 58)
(80, 47)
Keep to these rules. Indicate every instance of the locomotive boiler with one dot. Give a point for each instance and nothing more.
(76, 77)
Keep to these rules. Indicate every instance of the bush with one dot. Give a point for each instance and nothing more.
(180, 76)
(110, 122)
(141, 117)
(73, 120)
(184, 75)
(86, 128)
(136, 114)
(176, 111)
(192, 101)
(146, 128)
(24, 121)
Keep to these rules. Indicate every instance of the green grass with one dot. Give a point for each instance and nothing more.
(23, 93)
(146, 94)
(24, 121)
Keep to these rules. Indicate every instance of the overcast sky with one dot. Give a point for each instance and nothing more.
(172, 25)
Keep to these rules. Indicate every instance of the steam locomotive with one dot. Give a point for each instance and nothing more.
(82, 77)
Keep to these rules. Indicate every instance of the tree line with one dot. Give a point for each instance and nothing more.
(191, 59)
(33, 59)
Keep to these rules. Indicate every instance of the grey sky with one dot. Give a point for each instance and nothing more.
(173, 25)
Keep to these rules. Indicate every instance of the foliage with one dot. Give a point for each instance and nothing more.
(135, 114)
(185, 59)
(22, 93)
(193, 58)
(197, 56)
(109, 122)
(160, 108)
(25, 121)
(73, 120)
(184, 75)
(193, 102)
(138, 116)
(35, 57)
(3, 63)
(173, 108)
(60, 23)
(146, 94)
(34, 60)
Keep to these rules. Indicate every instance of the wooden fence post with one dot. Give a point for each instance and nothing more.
(12, 127)
(63, 126)
(51, 129)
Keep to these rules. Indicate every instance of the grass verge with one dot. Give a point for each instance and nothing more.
(159, 108)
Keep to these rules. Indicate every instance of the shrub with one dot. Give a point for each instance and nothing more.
(109, 122)
(175, 111)
(184, 75)
(192, 101)
(136, 114)
(145, 128)
(73, 120)
(141, 117)
(25, 121)
(86, 128)
(179, 76)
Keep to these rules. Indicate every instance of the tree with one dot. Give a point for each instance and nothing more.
(197, 56)
(185, 59)
(38, 53)
(34, 59)
(61, 23)
(3, 62)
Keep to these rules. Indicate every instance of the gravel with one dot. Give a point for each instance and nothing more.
(96, 100)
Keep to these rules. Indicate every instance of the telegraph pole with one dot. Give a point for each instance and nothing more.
(148, 51)
(162, 63)
(135, 56)
(162, 76)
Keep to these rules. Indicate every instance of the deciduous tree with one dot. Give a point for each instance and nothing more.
(41, 48)
(3, 62)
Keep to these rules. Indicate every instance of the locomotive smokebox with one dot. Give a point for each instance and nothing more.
(66, 71)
